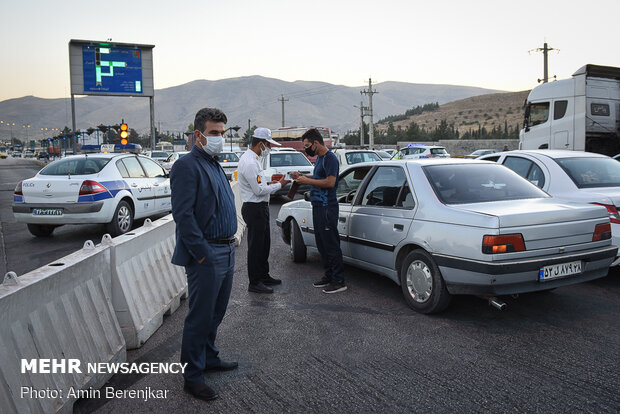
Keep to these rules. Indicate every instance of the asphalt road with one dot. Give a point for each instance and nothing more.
(20, 251)
(364, 350)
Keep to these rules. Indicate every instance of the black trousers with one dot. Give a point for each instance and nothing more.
(325, 222)
(256, 217)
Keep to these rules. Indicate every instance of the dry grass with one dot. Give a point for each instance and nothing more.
(488, 111)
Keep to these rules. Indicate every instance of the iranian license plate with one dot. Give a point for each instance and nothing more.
(559, 270)
(47, 212)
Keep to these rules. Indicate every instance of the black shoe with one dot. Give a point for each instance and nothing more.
(335, 288)
(321, 283)
(259, 288)
(202, 391)
(223, 366)
(270, 281)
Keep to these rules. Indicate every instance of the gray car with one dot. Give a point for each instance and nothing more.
(452, 226)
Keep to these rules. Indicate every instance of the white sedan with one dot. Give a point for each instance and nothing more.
(570, 176)
(111, 188)
(281, 162)
(350, 157)
(451, 226)
(229, 162)
(172, 159)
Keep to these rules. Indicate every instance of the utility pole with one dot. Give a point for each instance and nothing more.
(371, 132)
(545, 49)
(282, 100)
(362, 115)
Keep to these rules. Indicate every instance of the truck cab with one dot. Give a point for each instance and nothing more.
(581, 113)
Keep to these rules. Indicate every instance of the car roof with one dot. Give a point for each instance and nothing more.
(422, 162)
(553, 153)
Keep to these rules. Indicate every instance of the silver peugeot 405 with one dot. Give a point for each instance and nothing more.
(448, 226)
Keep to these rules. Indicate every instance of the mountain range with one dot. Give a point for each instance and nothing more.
(254, 98)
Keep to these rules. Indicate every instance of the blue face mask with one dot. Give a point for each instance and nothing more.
(215, 144)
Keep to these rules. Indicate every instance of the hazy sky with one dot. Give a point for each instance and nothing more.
(462, 42)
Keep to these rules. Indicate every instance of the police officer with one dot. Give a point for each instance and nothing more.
(255, 192)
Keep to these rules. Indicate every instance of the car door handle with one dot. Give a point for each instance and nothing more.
(155, 185)
(134, 185)
(342, 219)
(399, 227)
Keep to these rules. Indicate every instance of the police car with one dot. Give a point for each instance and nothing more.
(111, 188)
(414, 151)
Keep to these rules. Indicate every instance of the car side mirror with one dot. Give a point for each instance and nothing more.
(307, 196)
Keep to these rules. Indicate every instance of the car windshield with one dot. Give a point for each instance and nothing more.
(289, 159)
(592, 172)
(355, 157)
(227, 157)
(75, 166)
(479, 183)
(159, 154)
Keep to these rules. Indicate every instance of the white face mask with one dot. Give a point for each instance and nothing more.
(264, 153)
(215, 144)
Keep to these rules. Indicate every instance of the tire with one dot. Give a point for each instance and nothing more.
(422, 285)
(298, 248)
(41, 230)
(122, 220)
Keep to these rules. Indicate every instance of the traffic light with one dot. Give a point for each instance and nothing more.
(124, 133)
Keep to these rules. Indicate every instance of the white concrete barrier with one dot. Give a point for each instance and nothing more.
(60, 311)
(145, 285)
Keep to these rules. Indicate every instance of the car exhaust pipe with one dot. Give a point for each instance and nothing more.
(497, 303)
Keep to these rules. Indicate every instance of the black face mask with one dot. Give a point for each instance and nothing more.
(310, 151)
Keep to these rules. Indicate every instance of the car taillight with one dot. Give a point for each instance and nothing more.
(91, 187)
(503, 243)
(614, 217)
(18, 189)
(277, 177)
(602, 232)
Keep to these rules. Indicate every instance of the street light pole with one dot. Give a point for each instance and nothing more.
(236, 128)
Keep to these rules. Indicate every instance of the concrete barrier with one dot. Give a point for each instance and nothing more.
(145, 285)
(60, 311)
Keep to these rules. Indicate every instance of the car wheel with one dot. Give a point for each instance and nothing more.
(41, 230)
(122, 221)
(422, 284)
(298, 248)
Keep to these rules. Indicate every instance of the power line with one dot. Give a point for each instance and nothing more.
(545, 49)
(370, 93)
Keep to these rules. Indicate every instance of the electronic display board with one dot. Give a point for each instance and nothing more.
(112, 69)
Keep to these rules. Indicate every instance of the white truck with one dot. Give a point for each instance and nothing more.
(581, 113)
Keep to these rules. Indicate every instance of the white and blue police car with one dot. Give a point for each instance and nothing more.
(111, 188)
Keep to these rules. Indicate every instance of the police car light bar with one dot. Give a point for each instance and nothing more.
(116, 148)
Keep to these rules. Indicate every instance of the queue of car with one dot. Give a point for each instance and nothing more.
(506, 223)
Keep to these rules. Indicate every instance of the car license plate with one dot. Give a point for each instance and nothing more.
(47, 212)
(559, 270)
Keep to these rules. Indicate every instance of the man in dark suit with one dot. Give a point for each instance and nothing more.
(203, 208)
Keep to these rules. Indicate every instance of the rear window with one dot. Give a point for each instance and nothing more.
(75, 166)
(289, 159)
(227, 157)
(159, 154)
(355, 157)
(438, 151)
(592, 172)
(479, 183)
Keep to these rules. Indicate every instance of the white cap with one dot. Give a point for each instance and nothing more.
(265, 133)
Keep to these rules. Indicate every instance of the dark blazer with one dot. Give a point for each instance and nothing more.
(194, 201)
